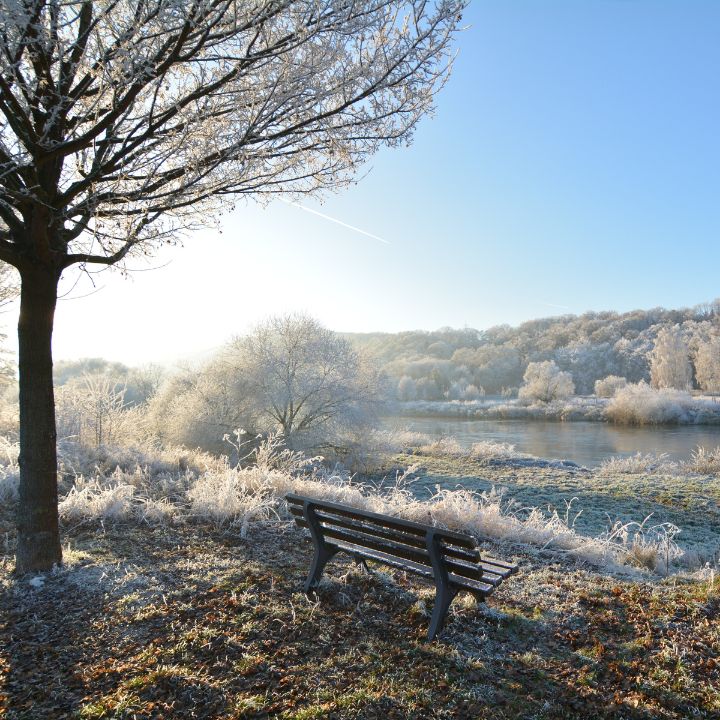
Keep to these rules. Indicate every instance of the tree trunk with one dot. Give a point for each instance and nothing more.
(38, 542)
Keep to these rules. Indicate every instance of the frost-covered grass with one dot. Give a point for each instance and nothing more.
(171, 486)
(702, 461)
(182, 622)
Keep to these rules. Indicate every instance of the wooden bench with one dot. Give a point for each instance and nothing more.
(451, 559)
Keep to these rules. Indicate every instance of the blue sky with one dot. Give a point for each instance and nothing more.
(573, 164)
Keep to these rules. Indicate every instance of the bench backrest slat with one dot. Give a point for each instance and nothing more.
(399, 536)
(409, 526)
(413, 555)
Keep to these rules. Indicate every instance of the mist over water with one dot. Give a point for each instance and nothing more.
(586, 443)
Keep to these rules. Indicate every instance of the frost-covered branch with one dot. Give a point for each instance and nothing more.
(127, 121)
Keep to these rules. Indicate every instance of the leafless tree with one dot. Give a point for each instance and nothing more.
(125, 121)
(303, 379)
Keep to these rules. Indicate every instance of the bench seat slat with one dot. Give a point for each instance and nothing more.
(449, 537)
(502, 568)
(398, 536)
(414, 555)
(478, 586)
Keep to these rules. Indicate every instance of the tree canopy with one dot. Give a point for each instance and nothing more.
(122, 122)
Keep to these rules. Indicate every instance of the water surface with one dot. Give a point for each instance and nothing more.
(586, 443)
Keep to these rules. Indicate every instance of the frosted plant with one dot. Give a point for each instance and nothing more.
(640, 404)
(608, 386)
(545, 382)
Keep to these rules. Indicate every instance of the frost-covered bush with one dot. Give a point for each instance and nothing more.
(637, 464)
(545, 382)
(9, 470)
(406, 389)
(94, 501)
(704, 462)
(229, 498)
(640, 404)
(473, 392)
(199, 406)
(442, 446)
(91, 410)
(154, 462)
(608, 386)
(488, 450)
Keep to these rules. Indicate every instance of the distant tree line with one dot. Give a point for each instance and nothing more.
(667, 348)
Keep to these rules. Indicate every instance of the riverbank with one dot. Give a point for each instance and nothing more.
(651, 408)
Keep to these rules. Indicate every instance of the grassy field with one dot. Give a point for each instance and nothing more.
(189, 622)
(689, 501)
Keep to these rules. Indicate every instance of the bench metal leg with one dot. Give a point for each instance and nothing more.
(444, 592)
(323, 554)
(323, 551)
(443, 598)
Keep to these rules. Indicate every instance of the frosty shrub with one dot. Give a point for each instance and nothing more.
(399, 440)
(442, 446)
(198, 406)
(229, 498)
(703, 462)
(153, 462)
(608, 386)
(652, 547)
(91, 410)
(9, 470)
(406, 389)
(640, 404)
(638, 464)
(488, 450)
(156, 512)
(473, 392)
(94, 501)
(545, 382)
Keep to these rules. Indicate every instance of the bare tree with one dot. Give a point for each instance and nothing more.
(125, 121)
(670, 360)
(303, 378)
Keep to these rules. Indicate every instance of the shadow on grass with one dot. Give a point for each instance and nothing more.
(211, 625)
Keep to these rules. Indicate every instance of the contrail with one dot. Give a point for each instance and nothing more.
(338, 222)
(553, 305)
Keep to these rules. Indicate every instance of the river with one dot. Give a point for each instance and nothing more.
(586, 443)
